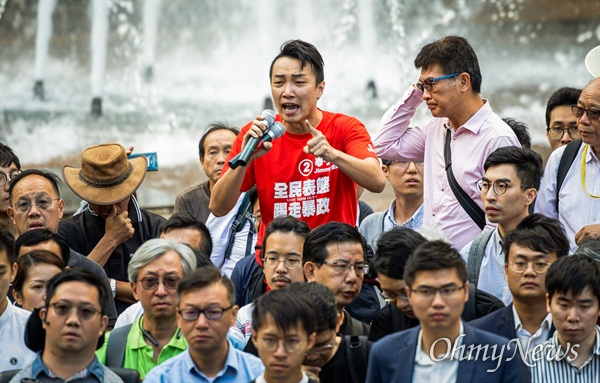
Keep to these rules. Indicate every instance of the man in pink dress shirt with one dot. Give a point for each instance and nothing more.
(450, 85)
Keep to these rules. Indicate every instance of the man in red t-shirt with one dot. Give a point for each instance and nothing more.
(312, 171)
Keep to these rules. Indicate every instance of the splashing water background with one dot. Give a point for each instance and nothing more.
(212, 64)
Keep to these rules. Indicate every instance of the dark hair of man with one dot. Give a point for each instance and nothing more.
(521, 130)
(285, 309)
(8, 156)
(31, 259)
(527, 163)
(563, 97)
(315, 245)
(34, 237)
(306, 53)
(432, 256)
(573, 274)
(287, 224)
(183, 220)
(323, 300)
(538, 233)
(7, 244)
(211, 128)
(203, 277)
(78, 275)
(589, 247)
(393, 249)
(453, 54)
(201, 258)
(51, 177)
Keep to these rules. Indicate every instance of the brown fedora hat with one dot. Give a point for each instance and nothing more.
(106, 175)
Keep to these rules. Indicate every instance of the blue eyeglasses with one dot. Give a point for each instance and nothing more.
(427, 84)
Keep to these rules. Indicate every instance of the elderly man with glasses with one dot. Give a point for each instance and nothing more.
(570, 189)
(154, 272)
(454, 144)
(508, 188)
(335, 255)
(206, 310)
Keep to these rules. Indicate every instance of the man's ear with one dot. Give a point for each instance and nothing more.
(531, 194)
(134, 290)
(309, 271)
(320, 89)
(43, 314)
(61, 208)
(312, 338)
(103, 324)
(13, 271)
(11, 214)
(466, 291)
(548, 303)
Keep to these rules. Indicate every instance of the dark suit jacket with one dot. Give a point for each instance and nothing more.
(392, 359)
(501, 322)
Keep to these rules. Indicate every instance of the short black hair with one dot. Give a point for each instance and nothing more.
(214, 126)
(8, 156)
(78, 275)
(33, 237)
(573, 274)
(183, 220)
(521, 130)
(306, 53)
(324, 301)
(432, 256)
(563, 97)
(252, 195)
(203, 277)
(7, 243)
(528, 164)
(287, 224)
(51, 177)
(453, 54)
(538, 233)
(394, 247)
(286, 309)
(315, 245)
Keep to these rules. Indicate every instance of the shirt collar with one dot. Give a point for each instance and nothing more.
(230, 362)
(95, 368)
(423, 358)
(389, 215)
(136, 341)
(476, 121)
(546, 323)
(8, 312)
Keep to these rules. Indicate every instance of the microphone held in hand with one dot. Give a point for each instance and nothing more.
(274, 131)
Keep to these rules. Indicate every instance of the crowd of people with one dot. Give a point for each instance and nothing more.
(485, 267)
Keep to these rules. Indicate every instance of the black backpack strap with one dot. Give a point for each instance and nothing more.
(469, 312)
(359, 327)
(242, 215)
(115, 349)
(467, 203)
(357, 355)
(565, 163)
(476, 254)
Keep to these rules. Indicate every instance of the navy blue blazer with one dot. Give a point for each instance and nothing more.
(392, 359)
(501, 322)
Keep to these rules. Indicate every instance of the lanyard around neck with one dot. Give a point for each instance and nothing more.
(585, 149)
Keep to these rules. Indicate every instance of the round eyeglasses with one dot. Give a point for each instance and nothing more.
(271, 344)
(392, 298)
(593, 114)
(290, 263)
(42, 203)
(83, 312)
(6, 178)
(538, 266)
(150, 283)
(500, 187)
(211, 313)
(556, 134)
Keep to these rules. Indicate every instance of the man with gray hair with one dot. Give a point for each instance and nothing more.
(154, 272)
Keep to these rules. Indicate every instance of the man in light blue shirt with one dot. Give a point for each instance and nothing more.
(508, 189)
(206, 310)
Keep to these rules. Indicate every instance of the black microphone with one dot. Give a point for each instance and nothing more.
(274, 131)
